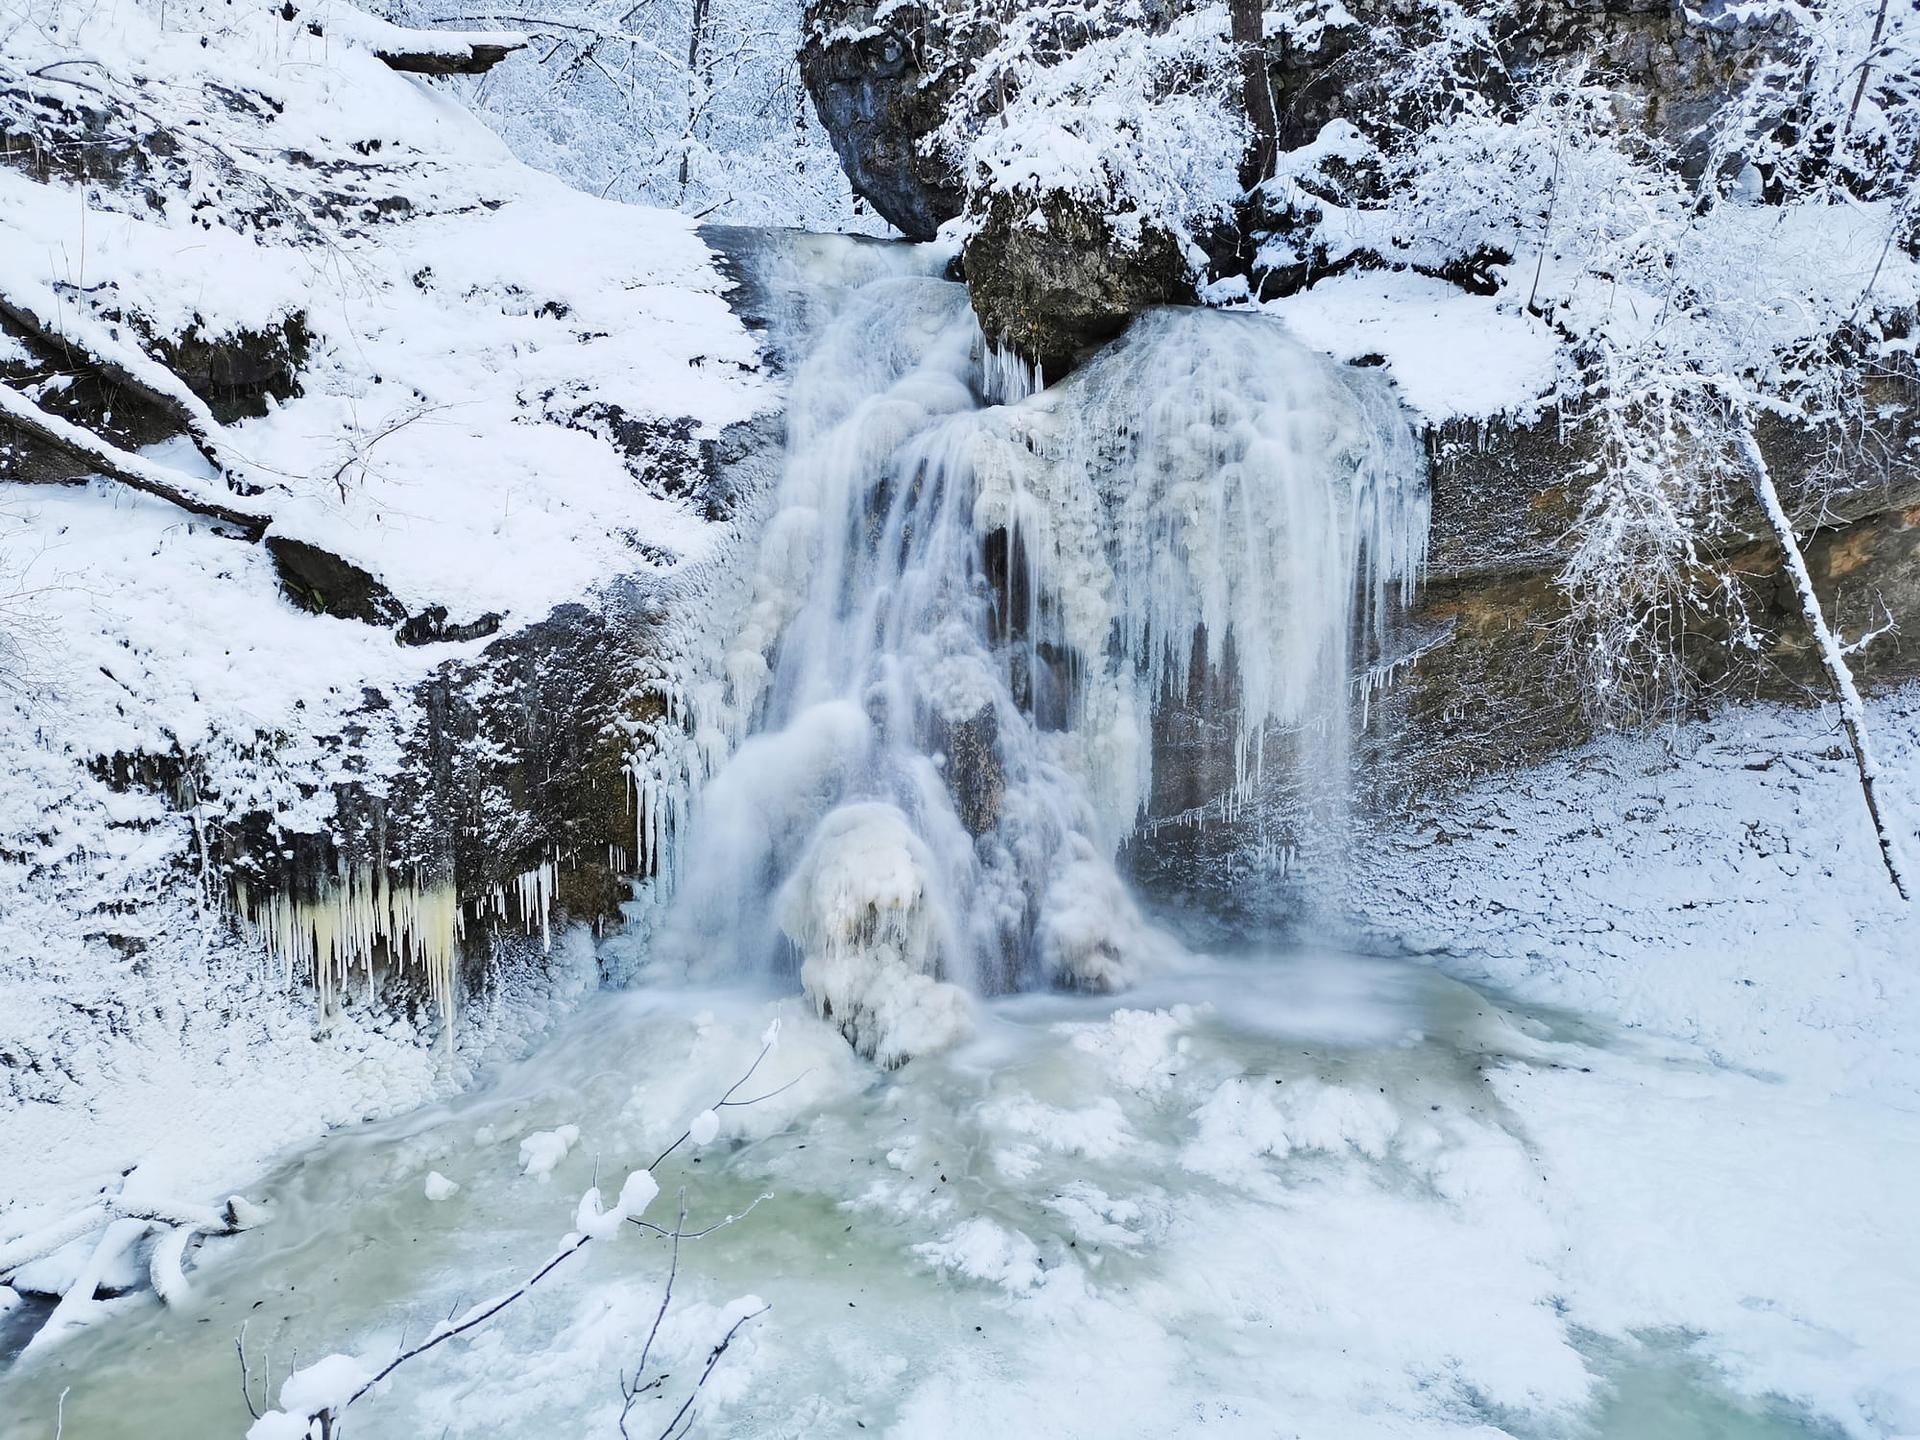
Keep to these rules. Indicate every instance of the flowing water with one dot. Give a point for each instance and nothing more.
(971, 600)
(1269, 1194)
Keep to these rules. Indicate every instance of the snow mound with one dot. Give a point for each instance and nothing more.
(325, 1385)
(859, 911)
(541, 1151)
(981, 1249)
(639, 1191)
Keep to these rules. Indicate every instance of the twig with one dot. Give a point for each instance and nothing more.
(712, 1360)
(633, 1393)
(246, 1374)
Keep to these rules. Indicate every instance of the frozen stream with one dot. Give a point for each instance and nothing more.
(1307, 1194)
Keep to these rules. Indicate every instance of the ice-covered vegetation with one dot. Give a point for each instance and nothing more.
(1107, 103)
(694, 105)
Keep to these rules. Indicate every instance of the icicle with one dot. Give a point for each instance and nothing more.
(325, 938)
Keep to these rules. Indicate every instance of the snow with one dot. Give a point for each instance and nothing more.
(705, 1126)
(599, 1223)
(541, 1151)
(439, 1187)
(326, 1385)
(1451, 355)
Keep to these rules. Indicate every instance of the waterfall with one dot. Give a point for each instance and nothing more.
(969, 598)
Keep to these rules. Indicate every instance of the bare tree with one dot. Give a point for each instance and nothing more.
(1833, 659)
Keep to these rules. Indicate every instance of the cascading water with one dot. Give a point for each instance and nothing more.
(968, 602)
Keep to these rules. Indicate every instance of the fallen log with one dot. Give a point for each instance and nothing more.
(97, 457)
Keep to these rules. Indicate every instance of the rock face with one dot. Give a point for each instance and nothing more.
(879, 105)
(1670, 66)
(1050, 280)
(1474, 682)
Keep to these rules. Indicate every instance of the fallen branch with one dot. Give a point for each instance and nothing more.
(38, 1244)
(1853, 713)
(102, 458)
(144, 379)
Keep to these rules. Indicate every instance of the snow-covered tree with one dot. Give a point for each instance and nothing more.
(694, 105)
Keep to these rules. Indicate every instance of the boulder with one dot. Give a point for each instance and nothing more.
(880, 101)
(1050, 278)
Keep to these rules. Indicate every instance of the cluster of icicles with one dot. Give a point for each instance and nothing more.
(367, 916)
(924, 728)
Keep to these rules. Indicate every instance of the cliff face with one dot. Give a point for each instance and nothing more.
(1478, 676)
(352, 479)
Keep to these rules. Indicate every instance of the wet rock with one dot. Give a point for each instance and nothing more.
(1052, 278)
(974, 774)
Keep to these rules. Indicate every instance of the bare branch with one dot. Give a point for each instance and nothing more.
(684, 1413)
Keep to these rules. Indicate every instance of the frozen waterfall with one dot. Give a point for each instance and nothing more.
(931, 728)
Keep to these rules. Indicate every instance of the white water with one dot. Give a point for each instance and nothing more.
(963, 615)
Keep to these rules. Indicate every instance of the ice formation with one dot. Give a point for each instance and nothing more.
(364, 914)
(541, 1151)
(859, 911)
(928, 728)
(367, 916)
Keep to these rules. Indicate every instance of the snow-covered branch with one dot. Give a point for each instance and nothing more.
(98, 457)
(314, 1400)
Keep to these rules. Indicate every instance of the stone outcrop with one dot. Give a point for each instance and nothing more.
(1050, 280)
(880, 99)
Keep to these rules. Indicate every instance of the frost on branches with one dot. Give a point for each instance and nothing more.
(692, 105)
(1107, 101)
(1757, 266)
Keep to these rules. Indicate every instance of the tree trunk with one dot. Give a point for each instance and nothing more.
(1248, 26)
(696, 36)
(1853, 713)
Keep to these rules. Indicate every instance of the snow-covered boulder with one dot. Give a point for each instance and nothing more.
(858, 909)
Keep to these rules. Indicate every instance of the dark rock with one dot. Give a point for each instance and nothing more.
(322, 582)
(236, 372)
(1050, 278)
(432, 624)
(473, 59)
(974, 775)
(879, 97)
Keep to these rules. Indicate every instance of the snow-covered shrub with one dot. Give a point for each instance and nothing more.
(1109, 104)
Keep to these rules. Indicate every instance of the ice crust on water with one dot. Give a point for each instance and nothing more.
(928, 728)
